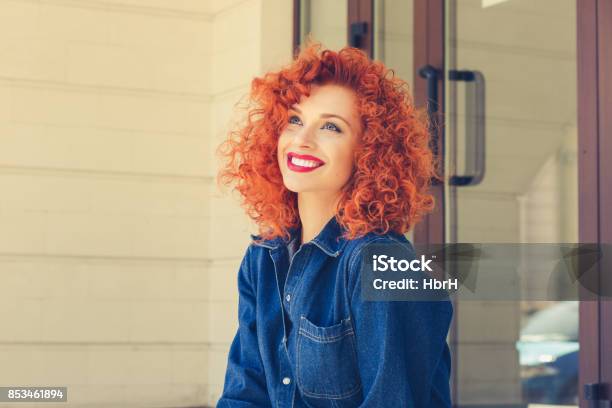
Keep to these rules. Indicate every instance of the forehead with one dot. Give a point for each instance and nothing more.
(330, 98)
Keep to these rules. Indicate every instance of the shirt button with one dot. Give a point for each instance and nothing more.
(286, 380)
(288, 297)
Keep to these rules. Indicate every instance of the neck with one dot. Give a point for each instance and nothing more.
(316, 209)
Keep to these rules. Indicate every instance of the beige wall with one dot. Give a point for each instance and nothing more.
(118, 257)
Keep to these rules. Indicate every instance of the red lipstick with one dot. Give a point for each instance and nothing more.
(303, 162)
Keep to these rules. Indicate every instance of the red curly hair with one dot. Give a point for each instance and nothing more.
(393, 164)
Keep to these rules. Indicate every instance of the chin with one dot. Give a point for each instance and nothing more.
(297, 189)
(298, 186)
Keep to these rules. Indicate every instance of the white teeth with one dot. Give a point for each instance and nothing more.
(304, 163)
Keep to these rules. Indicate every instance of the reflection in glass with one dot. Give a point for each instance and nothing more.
(326, 21)
(548, 350)
(393, 42)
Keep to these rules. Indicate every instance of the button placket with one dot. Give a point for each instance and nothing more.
(274, 254)
(294, 274)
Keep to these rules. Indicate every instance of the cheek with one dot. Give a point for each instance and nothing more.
(343, 164)
(280, 148)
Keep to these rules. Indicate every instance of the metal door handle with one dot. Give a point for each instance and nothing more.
(475, 127)
(358, 31)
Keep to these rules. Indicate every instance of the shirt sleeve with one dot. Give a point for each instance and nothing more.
(245, 383)
(403, 357)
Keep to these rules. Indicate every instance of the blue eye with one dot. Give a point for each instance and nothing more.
(334, 128)
(291, 118)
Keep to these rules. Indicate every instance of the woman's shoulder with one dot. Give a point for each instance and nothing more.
(355, 248)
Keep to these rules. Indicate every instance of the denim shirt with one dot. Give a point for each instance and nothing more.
(307, 339)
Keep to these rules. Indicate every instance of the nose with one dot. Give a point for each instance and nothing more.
(306, 137)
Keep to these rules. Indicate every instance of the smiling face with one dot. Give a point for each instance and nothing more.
(315, 150)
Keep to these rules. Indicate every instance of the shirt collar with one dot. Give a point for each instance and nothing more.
(329, 240)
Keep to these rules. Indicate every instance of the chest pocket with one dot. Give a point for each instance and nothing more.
(326, 366)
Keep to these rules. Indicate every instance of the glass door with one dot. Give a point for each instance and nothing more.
(511, 162)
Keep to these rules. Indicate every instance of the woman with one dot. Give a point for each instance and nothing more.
(332, 157)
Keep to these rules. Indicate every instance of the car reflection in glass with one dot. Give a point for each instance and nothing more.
(548, 350)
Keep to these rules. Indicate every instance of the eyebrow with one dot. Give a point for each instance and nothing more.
(326, 115)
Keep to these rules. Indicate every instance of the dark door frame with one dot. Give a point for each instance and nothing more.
(594, 25)
(604, 108)
(588, 186)
(429, 26)
(594, 79)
